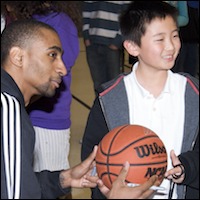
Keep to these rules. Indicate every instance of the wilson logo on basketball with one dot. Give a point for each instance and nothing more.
(147, 150)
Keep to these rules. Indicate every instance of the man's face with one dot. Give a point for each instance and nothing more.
(43, 65)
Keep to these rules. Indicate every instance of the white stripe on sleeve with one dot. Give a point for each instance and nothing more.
(11, 144)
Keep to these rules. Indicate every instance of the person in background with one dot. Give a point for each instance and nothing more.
(151, 95)
(3, 22)
(3, 19)
(188, 59)
(181, 6)
(51, 116)
(188, 21)
(102, 39)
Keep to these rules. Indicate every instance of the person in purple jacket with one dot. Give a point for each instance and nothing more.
(51, 116)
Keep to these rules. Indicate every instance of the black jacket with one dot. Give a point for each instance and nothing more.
(190, 161)
(18, 179)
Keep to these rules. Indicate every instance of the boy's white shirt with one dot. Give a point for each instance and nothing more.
(164, 115)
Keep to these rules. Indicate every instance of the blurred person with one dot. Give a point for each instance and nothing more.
(182, 17)
(51, 117)
(3, 22)
(102, 39)
(188, 59)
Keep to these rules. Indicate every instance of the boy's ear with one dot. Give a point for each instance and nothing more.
(16, 56)
(131, 47)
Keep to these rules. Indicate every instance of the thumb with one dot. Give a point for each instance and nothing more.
(89, 161)
(174, 158)
(92, 156)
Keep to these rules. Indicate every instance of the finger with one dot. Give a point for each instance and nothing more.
(146, 194)
(104, 190)
(88, 161)
(88, 184)
(174, 158)
(169, 173)
(172, 171)
(92, 179)
(93, 154)
(85, 166)
(153, 180)
(144, 189)
(123, 173)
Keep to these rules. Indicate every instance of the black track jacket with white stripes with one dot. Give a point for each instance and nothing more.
(18, 180)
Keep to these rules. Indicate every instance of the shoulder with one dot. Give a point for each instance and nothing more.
(110, 85)
(185, 78)
(8, 100)
(10, 111)
(192, 81)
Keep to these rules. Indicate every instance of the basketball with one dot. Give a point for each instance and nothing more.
(138, 145)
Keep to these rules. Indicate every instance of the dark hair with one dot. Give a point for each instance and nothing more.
(140, 13)
(26, 9)
(20, 33)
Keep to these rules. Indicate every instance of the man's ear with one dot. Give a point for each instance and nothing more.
(131, 47)
(16, 56)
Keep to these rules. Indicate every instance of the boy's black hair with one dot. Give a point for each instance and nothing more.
(140, 13)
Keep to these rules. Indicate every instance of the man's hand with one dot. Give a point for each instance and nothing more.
(77, 176)
(120, 190)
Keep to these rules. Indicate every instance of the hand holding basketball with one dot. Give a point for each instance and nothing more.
(119, 189)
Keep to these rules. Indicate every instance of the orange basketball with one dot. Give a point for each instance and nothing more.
(138, 145)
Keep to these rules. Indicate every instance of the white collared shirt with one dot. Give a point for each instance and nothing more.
(164, 115)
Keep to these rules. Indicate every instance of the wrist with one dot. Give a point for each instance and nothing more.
(64, 178)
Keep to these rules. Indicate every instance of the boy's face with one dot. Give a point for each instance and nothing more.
(160, 45)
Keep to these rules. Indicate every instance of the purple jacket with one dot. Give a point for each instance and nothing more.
(54, 113)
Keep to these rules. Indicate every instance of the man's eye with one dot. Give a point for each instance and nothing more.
(53, 54)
